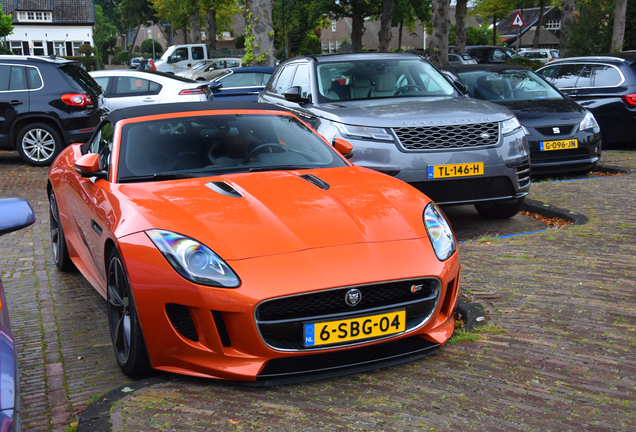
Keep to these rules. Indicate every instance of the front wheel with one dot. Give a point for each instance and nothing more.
(499, 210)
(123, 321)
(39, 144)
(58, 239)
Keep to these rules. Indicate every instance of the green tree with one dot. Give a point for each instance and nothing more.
(136, 12)
(6, 24)
(474, 36)
(357, 10)
(311, 45)
(146, 47)
(406, 13)
(494, 10)
(105, 34)
(591, 32)
(302, 19)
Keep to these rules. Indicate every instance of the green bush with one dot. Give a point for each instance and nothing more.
(90, 63)
(146, 47)
(86, 49)
(239, 43)
(311, 45)
(522, 61)
(5, 50)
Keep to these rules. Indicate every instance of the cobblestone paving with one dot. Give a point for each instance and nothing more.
(558, 353)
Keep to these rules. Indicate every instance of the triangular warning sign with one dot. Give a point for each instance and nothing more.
(518, 21)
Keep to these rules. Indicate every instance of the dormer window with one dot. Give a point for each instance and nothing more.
(34, 16)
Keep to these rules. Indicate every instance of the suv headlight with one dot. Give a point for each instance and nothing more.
(589, 122)
(510, 125)
(439, 232)
(364, 132)
(193, 260)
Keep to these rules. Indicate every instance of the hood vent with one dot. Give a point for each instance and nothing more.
(316, 181)
(224, 189)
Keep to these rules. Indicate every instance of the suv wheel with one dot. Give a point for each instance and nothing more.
(38, 144)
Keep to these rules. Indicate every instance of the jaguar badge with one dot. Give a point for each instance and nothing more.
(353, 297)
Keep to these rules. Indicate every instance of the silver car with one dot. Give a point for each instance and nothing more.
(403, 118)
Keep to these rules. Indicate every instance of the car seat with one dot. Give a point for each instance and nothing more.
(360, 87)
(384, 85)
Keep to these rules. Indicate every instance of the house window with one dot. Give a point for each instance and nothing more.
(552, 24)
(34, 16)
(38, 48)
(324, 47)
(333, 26)
(331, 46)
(59, 48)
(16, 47)
(338, 44)
(76, 46)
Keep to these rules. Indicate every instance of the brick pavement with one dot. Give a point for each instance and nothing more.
(565, 299)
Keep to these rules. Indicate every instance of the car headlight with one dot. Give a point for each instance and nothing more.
(364, 132)
(510, 125)
(439, 232)
(589, 122)
(193, 260)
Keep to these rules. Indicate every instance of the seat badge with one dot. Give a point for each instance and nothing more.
(353, 297)
(556, 130)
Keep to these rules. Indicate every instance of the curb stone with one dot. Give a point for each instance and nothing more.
(553, 212)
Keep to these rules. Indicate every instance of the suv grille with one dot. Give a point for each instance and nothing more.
(448, 137)
(549, 130)
(280, 321)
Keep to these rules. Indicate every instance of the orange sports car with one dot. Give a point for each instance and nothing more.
(231, 241)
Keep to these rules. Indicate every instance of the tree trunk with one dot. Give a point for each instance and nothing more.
(460, 26)
(195, 27)
(385, 24)
(401, 27)
(441, 26)
(494, 29)
(259, 33)
(535, 42)
(567, 20)
(210, 29)
(618, 35)
(357, 22)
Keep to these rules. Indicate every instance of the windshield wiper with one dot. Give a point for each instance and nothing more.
(281, 168)
(160, 176)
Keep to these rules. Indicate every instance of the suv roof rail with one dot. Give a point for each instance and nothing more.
(591, 58)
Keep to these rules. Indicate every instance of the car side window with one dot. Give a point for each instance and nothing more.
(233, 63)
(271, 84)
(179, 54)
(128, 86)
(543, 55)
(585, 77)
(103, 82)
(197, 53)
(284, 80)
(547, 73)
(606, 76)
(301, 79)
(498, 54)
(102, 144)
(17, 78)
(35, 80)
(567, 75)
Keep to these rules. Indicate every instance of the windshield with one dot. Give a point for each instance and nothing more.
(209, 145)
(379, 78)
(78, 78)
(168, 52)
(200, 65)
(507, 85)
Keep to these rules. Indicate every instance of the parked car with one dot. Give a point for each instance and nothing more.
(178, 58)
(124, 88)
(211, 246)
(135, 62)
(211, 70)
(606, 85)
(543, 55)
(490, 54)
(44, 105)
(460, 59)
(15, 214)
(241, 83)
(563, 136)
(195, 67)
(405, 119)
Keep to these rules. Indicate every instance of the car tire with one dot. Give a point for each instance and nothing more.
(499, 210)
(58, 239)
(123, 321)
(39, 144)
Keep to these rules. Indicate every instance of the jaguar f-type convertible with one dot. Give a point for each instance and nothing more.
(231, 241)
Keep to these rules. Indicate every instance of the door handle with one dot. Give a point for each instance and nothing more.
(15, 102)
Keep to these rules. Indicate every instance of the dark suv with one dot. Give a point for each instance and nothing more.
(46, 104)
(490, 54)
(606, 85)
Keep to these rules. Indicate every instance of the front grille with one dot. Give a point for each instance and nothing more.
(280, 321)
(182, 321)
(448, 137)
(466, 189)
(549, 130)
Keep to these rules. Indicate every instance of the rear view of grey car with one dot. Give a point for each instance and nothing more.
(403, 118)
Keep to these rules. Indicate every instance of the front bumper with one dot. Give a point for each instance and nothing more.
(212, 332)
(581, 158)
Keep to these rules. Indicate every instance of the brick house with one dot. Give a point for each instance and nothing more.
(47, 27)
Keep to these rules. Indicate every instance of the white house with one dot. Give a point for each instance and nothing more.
(47, 27)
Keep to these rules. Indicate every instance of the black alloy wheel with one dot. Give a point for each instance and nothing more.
(58, 239)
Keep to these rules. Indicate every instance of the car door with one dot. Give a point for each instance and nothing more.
(133, 90)
(14, 99)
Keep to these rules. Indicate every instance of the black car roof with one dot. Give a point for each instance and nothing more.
(353, 56)
(484, 67)
(628, 57)
(168, 108)
(32, 59)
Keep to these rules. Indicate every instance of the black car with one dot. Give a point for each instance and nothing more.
(563, 136)
(490, 54)
(46, 103)
(606, 85)
(242, 84)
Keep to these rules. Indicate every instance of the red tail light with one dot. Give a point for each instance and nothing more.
(77, 99)
(195, 91)
(630, 99)
(550, 60)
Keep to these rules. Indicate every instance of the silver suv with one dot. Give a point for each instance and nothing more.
(403, 118)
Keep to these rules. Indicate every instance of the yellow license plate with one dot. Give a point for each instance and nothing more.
(456, 170)
(558, 145)
(353, 329)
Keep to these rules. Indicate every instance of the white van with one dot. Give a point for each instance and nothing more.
(178, 58)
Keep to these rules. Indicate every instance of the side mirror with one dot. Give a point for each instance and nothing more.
(88, 166)
(295, 94)
(16, 214)
(343, 147)
(461, 87)
(216, 86)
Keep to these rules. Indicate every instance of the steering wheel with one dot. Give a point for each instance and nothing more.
(251, 153)
(407, 87)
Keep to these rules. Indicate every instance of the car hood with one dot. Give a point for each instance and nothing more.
(400, 111)
(546, 112)
(279, 212)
